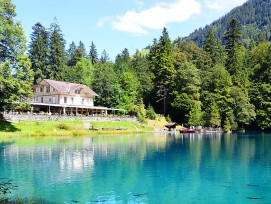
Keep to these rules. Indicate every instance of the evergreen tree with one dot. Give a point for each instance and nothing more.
(129, 94)
(125, 55)
(75, 54)
(236, 54)
(220, 89)
(104, 57)
(211, 114)
(38, 52)
(244, 111)
(186, 93)
(57, 54)
(161, 60)
(93, 54)
(104, 85)
(233, 49)
(213, 47)
(260, 90)
(70, 51)
(123, 63)
(161, 64)
(142, 70)
(82, 49)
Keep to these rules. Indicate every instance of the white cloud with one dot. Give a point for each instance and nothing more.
(223, 5)
(155, 17)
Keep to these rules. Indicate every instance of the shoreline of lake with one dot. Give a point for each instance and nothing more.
(70, 128)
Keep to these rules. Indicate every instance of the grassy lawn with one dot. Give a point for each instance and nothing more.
(68, 128)
(123, 125)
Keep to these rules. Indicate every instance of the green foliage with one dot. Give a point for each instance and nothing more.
(243, 110)
(137, 110)
(57, 53)
(186, 97)
(161, 61)
(104, 57)
(216, 97)
(194, 54)
(226, 83)
(129, 89)
(38, 52)
(168, 119)
(235, 54)
(81, 73)
(211, 115)
(15, 67)
(260, 94)
(213, 47)
(93, 55)
(12, 39)
(254, 18)
(63, 126)
(150, 113)
(140, 65)
(104, 79)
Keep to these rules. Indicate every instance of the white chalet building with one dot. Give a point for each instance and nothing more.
(58, 97)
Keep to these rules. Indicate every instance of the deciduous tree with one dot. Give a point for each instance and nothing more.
(15, 67)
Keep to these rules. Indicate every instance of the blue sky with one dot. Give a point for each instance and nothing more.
(117, 24)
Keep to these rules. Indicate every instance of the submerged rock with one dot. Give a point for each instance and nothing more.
(255, 198)
(140, 194)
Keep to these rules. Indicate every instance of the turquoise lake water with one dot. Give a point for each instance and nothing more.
(148, 168)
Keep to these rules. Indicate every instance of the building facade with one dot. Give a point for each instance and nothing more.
(63, 93)
(58, 97)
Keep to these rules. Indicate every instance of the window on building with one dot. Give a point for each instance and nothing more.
(72, 100)
(50, 100)
(77, 91)
(65, 99)
(83, 100)
(48, 89)
(41, 99)
(41, 90)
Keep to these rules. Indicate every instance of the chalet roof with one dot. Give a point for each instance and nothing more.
(171, 125)
(67, 87)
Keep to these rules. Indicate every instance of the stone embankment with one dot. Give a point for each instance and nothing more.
(23, 117)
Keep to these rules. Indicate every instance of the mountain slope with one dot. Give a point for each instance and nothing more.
(254, 16)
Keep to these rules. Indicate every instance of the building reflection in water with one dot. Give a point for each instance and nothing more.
(128, 162)
(70, 156)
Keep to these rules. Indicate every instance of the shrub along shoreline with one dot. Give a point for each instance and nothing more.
(70, 128)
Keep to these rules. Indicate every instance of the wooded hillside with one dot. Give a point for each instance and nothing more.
(219, 84)
(254, 17)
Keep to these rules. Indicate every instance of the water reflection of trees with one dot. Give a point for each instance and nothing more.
(77, 154)
(126, 162)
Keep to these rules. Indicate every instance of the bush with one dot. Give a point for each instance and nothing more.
(138, 110)
(151, 113)
(168, 119)
(63, 126)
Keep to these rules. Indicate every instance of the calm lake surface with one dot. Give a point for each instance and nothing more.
(148, 168)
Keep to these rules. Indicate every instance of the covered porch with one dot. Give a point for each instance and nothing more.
(74, 110)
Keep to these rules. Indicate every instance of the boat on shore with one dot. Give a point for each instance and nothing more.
(185, 130)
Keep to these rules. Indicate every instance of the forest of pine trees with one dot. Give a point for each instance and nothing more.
(223, 85)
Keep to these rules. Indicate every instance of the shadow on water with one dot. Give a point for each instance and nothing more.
(6, 126)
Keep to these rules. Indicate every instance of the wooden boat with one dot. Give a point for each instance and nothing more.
(187, 130)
